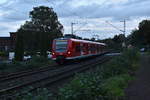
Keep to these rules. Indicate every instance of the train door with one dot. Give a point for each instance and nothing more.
(77, 49)
(89, 48)
(101, 48)
(85, 48)
(81, 49)
(92, 48)
(73, 48)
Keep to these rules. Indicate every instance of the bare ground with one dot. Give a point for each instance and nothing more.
(139, 89)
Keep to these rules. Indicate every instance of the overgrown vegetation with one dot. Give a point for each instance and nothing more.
(41, 94)
(107, 82)
(3, 54)
(35, 62)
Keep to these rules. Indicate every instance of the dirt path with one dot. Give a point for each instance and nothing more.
(139, 89)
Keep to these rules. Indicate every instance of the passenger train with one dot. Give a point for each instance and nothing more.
(68, 48)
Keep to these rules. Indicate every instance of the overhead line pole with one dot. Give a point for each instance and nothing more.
(72, 27)
(124, 31)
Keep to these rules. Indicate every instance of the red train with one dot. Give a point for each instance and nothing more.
(64, 49)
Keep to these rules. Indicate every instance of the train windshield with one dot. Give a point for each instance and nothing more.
(61, 45)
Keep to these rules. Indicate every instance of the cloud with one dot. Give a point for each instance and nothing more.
(93, 12)
(120, 10)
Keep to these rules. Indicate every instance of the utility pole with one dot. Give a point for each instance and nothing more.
(124, 22)
(124, 30)
(72, 27)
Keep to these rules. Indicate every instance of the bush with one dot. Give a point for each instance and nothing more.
(83, 87)
(114, 67)
(33, 63)
(41, 94)
(10, 66)
(106, 83)
(39, 59)
(4, 54)
(132, 55)
(113, 87)
(92, 87)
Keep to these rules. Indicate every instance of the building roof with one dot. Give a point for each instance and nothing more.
(4, 38)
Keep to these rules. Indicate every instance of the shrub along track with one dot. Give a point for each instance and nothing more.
(43, 79)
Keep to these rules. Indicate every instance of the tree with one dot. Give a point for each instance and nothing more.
(114, 43)
(19, 48)
(119, 38)
(140, 37)
(136, 38)
(41, 30)
(46, 21)
(72, 36)
(144, 29)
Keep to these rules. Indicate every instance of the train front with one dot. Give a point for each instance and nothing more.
(59, 50)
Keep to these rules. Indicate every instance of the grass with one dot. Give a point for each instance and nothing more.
(107, 82)
(113, 87)
(35, 62)
(41, 94)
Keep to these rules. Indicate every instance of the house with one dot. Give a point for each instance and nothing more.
(8, 43)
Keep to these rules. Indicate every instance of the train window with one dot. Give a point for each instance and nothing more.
(92, 48)
(61, 45)
(78, 49)
(85, 47)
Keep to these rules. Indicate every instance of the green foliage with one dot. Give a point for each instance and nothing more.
(41, 94)
(38, 34)
(144, 29)
(83, 87)
(32, 53)
(148, 52)
(136, 39)
(132, 56)
(114, 43)
(92, 87)
(113, 87)
(106, 83)
(3, 54)
(8, 67)
(113, 67)
(19, 47)
(141, 37)
(35, 62)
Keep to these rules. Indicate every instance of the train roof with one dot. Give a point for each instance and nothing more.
(77, 40)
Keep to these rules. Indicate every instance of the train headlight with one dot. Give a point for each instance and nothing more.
(53, 53)
(69, 52)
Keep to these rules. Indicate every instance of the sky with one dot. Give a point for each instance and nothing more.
(92, 18)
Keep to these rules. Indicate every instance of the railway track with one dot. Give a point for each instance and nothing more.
(25, 73)
(52, 77)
